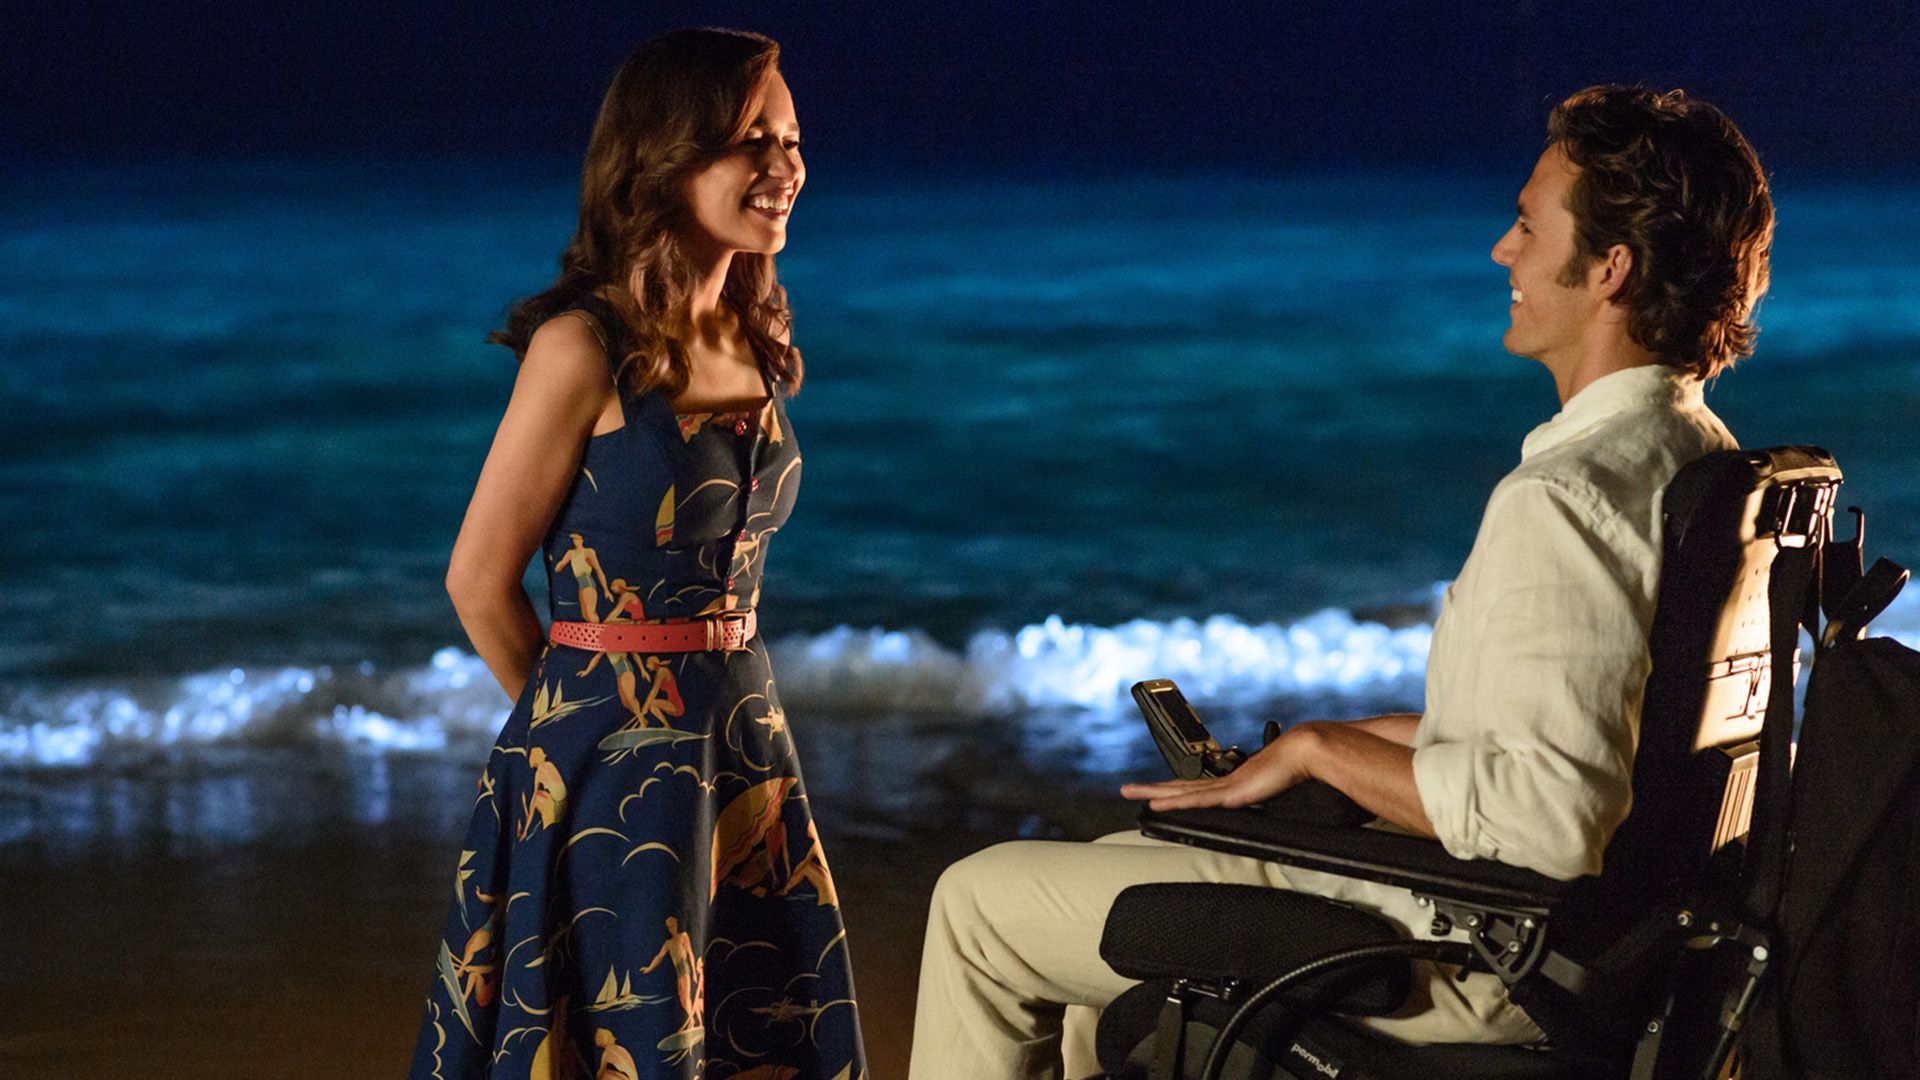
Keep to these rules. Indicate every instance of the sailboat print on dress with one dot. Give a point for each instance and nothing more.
(663, 520)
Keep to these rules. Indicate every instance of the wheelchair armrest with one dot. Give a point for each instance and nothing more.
(1391, 858)
(1224, 934)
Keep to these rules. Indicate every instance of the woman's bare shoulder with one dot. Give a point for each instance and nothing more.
(582, 317)
(567, 352)
(563, 380)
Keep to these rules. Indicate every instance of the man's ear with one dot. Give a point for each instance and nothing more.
(1608, 275)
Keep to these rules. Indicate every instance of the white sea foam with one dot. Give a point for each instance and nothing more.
(1060, 664)
(75, 724)
(453, 701)
(452, 704)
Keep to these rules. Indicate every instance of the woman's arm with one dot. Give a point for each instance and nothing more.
(562, 389)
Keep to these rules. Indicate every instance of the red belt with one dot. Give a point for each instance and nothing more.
(721, 633)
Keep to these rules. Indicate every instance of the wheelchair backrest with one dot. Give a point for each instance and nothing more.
(1724, 518)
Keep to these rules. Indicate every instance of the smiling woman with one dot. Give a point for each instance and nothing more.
(644, 798)
(742, 199)
(697, 128)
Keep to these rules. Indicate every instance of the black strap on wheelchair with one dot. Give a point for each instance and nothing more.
(1849, 614)
(1792, 598)
(1842, 564)
(1169, 1039)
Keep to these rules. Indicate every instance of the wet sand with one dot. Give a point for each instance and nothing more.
(253, 919)
(310, 963)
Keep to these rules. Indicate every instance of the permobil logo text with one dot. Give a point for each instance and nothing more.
(1308, 1056)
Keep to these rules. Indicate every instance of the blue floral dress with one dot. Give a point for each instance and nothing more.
(642, 892)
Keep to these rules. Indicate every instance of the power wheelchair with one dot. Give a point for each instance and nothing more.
(1645, 971)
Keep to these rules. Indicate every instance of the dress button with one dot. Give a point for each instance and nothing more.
(753, 484)
(739, 427)
(729, 583)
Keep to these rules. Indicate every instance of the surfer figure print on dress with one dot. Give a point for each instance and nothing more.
(642, 891)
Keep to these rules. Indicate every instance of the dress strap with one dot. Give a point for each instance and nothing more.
(605, 324)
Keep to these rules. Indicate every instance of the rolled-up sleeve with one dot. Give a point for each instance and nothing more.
(1531, 756)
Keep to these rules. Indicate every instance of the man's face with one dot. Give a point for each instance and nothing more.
(1548, 318)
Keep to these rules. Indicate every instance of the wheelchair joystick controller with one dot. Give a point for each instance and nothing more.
(1190, 749)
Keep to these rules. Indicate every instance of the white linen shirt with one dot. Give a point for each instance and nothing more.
(1539, 659)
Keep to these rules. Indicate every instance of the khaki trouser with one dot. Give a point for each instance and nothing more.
(1011, 978)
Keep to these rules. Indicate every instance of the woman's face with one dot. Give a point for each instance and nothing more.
(741, 201)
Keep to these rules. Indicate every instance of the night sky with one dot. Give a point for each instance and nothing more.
(969, 86)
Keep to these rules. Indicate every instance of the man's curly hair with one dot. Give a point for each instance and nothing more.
(1676, 182)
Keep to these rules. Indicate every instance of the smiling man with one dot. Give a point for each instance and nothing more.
(1637, 256)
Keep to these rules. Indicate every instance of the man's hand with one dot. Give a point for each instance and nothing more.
(1372, 767)
(1278, 766)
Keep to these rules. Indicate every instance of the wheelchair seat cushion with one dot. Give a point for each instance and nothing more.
(1252, 935)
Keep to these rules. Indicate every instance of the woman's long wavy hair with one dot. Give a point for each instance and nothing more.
(1676, 182)
(680, 101)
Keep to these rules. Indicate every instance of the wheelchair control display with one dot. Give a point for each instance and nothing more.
(1190, 749)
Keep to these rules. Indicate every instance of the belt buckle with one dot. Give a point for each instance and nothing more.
(730, 620)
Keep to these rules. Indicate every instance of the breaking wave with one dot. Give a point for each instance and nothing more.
(451, 704)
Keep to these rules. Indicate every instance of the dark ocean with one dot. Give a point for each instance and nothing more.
(1061, 434)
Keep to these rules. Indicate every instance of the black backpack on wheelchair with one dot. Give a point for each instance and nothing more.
(1842, 1000)
(1647, 971)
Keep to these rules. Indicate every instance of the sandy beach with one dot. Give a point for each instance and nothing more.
(255, 919)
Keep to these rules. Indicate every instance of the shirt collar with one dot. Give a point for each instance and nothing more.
(1611, 395)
